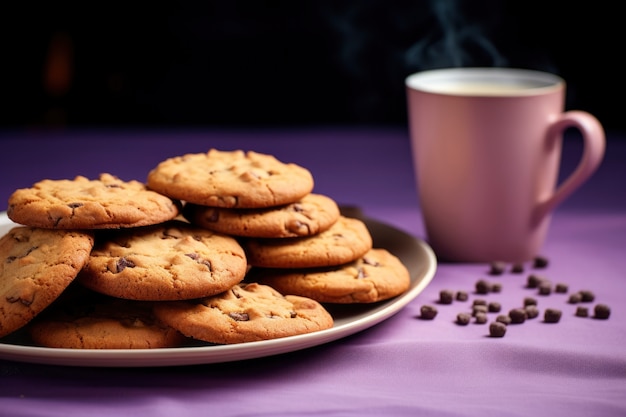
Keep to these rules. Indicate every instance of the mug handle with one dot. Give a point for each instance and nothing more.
(594, 142)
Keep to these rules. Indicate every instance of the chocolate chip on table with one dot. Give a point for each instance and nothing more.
(494, 307)
(575, 298)
(602, 311)
(480, 318)
(497, 268)
(582, 311)
(561, 288)
(477, 309)
(545, 287)
(483, 287)
(504, 319)
(530, 301)
(552, 315)
(540, 262)
(497, 329)
(463, 319)
(517, 268)
(517, 315)
(534, 280)
(587, 296)
(496, 287)
(428, 312)
(479, 302)
(462, 296)
(531, 311)
(446, 296)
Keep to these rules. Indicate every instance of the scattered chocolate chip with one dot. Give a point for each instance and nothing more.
(552, 315)
(483, 287)
(497, 329)
(462, 296)
(479, 309)
(446, 296)
(496, 287)
(497, 268)
(463, 319)
(602, 311)
(480, 318)
(517, 268)
(479, 302)
(587, 296)
(530, 301)
(561, 288)
(533, 281)
(494, 307)
(531, 311)
(540, 262)
(545, 288)
(504, 319)
(575, 298)
(517, 315)
(582, 311)
(428, 312)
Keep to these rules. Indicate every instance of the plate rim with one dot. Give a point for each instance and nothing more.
(211, 354)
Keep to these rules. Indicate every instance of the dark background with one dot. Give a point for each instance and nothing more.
(292, 62)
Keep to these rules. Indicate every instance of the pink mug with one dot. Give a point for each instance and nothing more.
(486, 146)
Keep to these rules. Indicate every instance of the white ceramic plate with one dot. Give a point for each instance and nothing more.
(414, 253)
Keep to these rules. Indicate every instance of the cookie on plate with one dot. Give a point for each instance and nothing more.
(231, 179)
(80, 203)
(169, 261)
(311, 215)
(245, 313)
(102, 323)
(377, 276)
(36, 266)
(345, 241)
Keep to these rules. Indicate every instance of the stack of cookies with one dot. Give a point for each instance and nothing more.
(223, 247)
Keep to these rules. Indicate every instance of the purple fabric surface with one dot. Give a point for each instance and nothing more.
(401, 367)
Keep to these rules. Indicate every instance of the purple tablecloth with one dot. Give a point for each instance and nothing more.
(402, 366)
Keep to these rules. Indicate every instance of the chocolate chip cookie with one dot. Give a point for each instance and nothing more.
(345, 241)
(377, 276)
(231, 179)
(169, 261)
(102, 323)
(312, 214)
(245, 313)
(80, 203)
(36, 266)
